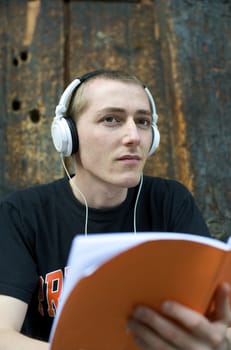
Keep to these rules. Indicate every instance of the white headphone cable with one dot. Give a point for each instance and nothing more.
(82, 195)
(137, 198)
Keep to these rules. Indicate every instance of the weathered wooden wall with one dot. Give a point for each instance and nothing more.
(196, 56)
(31, 81)
(180, 49)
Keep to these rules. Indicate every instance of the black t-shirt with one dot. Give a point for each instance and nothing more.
(37, 226)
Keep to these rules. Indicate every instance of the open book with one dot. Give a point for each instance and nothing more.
(110, 274)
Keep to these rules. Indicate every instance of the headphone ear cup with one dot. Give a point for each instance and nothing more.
(64, 135)
(74, 135)
(155, 139)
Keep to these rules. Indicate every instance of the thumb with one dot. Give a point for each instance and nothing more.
(222, 310)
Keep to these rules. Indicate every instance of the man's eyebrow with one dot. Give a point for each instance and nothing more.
(144, 111)
(122, 110)
(111, 109)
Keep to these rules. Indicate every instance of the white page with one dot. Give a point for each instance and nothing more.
(89, 252)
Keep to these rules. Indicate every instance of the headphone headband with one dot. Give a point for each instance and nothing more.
(62, 107)
(63, 128)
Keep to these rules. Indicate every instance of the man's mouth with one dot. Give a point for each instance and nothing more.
(129, 159)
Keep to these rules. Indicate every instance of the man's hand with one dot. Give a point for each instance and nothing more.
(183, 328)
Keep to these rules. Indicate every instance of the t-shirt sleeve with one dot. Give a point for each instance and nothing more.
(18, 276)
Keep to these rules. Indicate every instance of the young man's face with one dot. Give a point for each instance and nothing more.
(114, 133)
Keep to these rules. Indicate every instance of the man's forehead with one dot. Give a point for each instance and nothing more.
(106, 86)
(109, 93)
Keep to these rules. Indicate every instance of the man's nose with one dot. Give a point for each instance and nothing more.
(131, 134)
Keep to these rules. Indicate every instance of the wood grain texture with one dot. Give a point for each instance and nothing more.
(196, 54)
(32, 77)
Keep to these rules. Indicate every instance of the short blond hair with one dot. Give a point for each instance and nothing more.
(79, 100)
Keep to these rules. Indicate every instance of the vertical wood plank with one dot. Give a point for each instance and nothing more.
(196, 53)
(3, 65)
(32, 80)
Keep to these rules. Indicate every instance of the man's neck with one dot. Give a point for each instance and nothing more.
(98, 195)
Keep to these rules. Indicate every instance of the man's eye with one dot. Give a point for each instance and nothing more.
(111, 120)
(144, 122)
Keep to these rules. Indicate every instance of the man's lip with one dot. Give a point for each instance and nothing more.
(129, 156)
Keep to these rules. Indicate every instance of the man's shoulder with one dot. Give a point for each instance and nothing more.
(160, 184)
(167, 190)
(36, 193)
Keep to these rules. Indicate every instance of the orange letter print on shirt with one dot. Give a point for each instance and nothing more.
(54, 282)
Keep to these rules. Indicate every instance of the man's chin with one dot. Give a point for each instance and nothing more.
(132, 181)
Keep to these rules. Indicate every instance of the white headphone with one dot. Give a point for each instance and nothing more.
(63, 128)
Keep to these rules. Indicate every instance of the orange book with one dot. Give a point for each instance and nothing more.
(110, 274)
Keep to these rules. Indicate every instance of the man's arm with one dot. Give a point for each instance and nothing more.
(12, 314)
(182, 328)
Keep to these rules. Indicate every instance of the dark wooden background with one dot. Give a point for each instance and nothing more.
(180, 49)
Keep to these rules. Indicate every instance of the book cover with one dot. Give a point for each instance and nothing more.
(110, 274)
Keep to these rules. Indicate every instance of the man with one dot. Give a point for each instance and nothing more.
(116, 131)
